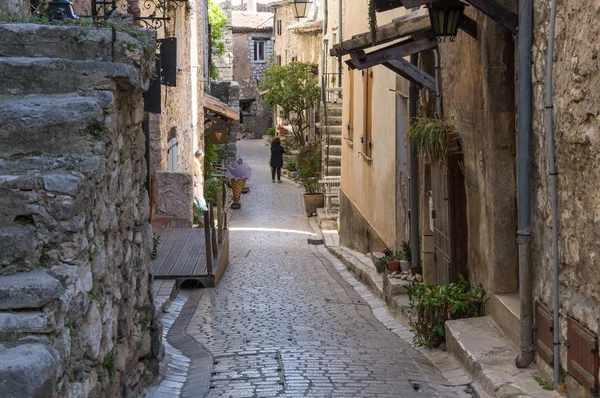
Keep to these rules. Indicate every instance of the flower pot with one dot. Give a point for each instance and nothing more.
(393, 265)
(404, 265)
(312, 202)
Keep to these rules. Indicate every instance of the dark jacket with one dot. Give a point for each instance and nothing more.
(277, 156)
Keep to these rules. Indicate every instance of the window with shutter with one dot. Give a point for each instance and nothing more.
(350, 126)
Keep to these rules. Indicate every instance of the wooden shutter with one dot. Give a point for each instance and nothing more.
(350, 126)
(367, 140)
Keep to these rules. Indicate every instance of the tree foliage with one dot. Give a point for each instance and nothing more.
(217, 19)
(295, 89)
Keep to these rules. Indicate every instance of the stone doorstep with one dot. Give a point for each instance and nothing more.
(489, 358)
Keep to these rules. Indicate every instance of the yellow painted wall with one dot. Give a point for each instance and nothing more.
(371, 186)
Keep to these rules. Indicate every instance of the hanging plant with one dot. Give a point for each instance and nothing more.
(373, 21)
(431, 138)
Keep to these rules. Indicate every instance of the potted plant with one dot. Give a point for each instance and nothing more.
(392, 259)
(308, 162)
(406, 256)
(433, 138)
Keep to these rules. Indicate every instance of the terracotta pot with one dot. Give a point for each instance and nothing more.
(313, 202)
(393, 265)
(404, 265)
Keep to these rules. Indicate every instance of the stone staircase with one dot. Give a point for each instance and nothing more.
(76, 314)
(333, 165)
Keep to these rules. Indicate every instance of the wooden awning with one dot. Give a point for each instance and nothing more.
(399, 28)
(220, 108)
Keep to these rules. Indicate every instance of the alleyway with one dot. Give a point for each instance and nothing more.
(282, 322)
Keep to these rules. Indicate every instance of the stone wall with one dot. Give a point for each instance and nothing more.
(76, 312)
(249, 73)
(577, 140)
(229, 93)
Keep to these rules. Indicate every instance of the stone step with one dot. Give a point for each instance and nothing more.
(74, 42)
(334, 120)
(28, 370)
(55, 124)
(334, 130)
(334, 160)
(333, 150)
(489, 358)
(334, 171)
(28, 290)
(335, 140)
(21, 76)
(334, 109)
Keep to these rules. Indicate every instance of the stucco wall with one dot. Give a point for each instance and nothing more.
(286, 44)
(310, 47)
(577, 137)
(370, 186)
(478, 87)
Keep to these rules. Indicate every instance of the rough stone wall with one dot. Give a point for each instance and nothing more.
(249, 74)
(577, 141)
(76, 312)
(479, 99)
(224, 62)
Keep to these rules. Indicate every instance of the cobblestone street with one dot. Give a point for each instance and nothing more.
(283, 322)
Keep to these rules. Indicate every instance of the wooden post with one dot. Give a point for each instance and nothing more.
(220, 213)
(207, 242)
(213, 235)
(224, 203)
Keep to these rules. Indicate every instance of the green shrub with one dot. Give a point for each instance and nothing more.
(309, 162)
(211, 186)
(290, 165)
(434, 305)
(430, 138)
(271, 131)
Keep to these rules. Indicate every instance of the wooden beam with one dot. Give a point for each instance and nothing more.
(411, 72)
(497, 12)
(400, 27)
(361, 60)
(469, 26)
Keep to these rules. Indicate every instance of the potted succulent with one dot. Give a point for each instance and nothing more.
(406, 256)
(308, 164)
(392, 259)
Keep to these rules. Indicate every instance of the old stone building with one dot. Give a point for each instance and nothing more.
(76, 311)
(576, 131)
(252, 54)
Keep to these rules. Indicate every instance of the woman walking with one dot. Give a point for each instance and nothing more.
(276, 163)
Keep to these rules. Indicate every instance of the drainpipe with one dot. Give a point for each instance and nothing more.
(438, 89)
(341, 39)
(553, 183)
(524, 182)
(414, 175)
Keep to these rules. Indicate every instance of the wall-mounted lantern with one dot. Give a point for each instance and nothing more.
(299, 7)
(61, 9)
(445, 17)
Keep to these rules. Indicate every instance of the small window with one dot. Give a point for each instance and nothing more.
(247, 107)
(279, 60)
(279, 27)
(294, 59)
(260, 51)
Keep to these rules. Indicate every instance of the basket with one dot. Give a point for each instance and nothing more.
(237, 186)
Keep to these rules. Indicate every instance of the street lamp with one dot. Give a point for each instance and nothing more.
(445, 17)
(299, 8)
(61, 9)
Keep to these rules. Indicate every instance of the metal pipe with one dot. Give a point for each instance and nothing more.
(340, 28)
(413, 93)
(438, 88)
(524, 182)
(553, 187)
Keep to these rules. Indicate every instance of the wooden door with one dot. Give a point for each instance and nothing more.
(450, 226)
